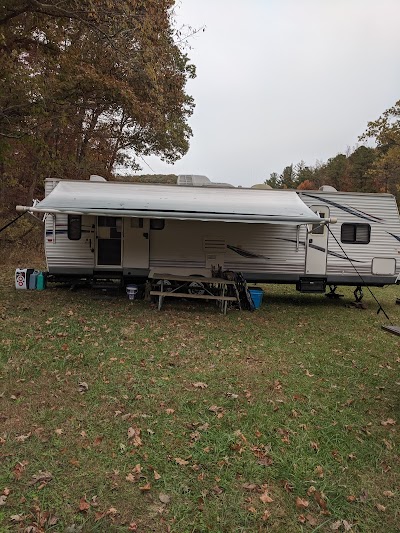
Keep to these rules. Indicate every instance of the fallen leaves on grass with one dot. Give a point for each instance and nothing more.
(388, 444)
(388, 422)
(133, 476)
(217, 410)
(156, 475)
(181, 462)
(250, 487)
(319, 470)
(41, 477)
(164, 498)
(134, 436)
(199, 385)
(266, 498)
(380, 507)
(17, 518)
(145, 488)
(83, 387)
(23, 438)
(19, 469)
(363, 497)
(262, 454)
(335, 526)
(301, 503)
(319, 497)
(388, 493)
(84, 505)
(308, 518)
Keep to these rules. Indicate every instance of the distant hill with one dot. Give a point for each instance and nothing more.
(148, 178)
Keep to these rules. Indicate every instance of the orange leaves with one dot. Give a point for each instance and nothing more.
(134, 475)
(19, 469)
(181, 462)
(301, 504)
(84, 505)
(308, 519)
(263, 455)
(134, 436)
(266, 498)
(217, 410)
(320, 499)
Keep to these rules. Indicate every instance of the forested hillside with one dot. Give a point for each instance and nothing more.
(365, 169)
(87, 87)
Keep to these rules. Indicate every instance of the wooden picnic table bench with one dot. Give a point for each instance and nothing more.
(211, 288)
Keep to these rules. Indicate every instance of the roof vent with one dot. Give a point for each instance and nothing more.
(261, 186)
(95, 177)
(327, 188)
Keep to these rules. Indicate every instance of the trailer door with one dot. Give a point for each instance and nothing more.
(109, 241)
(317, 244)
(136, 243)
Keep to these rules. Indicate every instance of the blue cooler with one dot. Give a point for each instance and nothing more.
(257, 296)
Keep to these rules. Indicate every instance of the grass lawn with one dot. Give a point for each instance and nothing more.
(117, 417)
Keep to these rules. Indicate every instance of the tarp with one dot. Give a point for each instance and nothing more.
(176, 202)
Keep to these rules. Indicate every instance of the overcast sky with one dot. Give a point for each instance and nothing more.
(280, 81)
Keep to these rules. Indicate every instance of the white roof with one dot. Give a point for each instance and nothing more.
(175, 202)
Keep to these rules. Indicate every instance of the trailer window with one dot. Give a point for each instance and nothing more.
(356, 233)
(74, 227)
(157, 223)
(318, 229)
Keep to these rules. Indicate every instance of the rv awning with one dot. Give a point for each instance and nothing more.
(175, 202)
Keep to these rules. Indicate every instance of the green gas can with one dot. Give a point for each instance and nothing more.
(40, 281)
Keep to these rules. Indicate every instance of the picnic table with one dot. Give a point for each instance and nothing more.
(197, 287)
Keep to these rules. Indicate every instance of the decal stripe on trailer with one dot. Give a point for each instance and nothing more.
(350, 210)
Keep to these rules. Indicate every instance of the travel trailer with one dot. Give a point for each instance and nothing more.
(97, 229)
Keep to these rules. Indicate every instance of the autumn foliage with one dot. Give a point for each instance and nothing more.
(364, 169)
(88, 87)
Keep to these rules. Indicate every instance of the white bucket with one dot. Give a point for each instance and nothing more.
(131, 291)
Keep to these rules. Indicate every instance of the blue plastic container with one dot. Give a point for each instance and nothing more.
(257, 296)
(32, 279)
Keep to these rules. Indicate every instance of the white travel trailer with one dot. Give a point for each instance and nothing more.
(98, 229)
